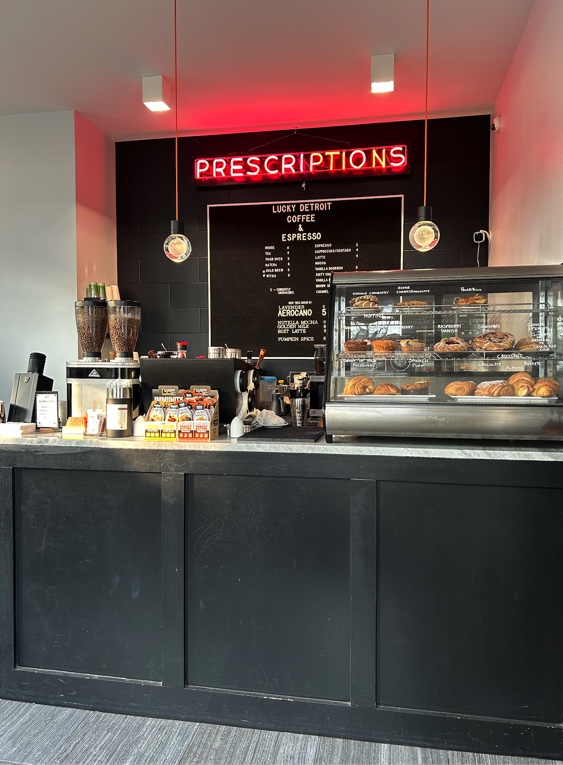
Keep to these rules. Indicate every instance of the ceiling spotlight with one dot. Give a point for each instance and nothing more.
(156, 93)
(383, 73)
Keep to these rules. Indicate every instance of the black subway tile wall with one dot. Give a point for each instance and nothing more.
(174, 296)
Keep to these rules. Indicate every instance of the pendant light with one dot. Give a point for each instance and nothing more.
(177, 247)
(424, 235)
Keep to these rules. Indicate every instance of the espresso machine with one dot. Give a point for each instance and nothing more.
(87, 378)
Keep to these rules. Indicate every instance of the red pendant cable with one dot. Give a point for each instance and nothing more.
(176, 105)
(426, 104)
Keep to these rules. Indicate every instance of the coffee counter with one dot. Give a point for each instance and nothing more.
(343, 445)
(388, 590)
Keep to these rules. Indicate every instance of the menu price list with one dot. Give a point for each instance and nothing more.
(270, 265)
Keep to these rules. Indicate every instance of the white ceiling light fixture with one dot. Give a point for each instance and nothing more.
(383, 73)
(156, 93)
(425, 234)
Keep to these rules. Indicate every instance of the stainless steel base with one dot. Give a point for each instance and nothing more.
(445, 420)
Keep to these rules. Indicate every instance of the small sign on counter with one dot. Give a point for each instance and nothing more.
(47, 410)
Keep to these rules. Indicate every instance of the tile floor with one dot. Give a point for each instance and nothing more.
(32, 734)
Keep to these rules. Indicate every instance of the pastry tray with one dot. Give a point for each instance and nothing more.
(404, 398)
(521, 400)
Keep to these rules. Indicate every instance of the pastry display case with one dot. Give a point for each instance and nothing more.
(456, 353)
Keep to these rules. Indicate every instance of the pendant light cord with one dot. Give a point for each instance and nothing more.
(176, 106)
(426, 101)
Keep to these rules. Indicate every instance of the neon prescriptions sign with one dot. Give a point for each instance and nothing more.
(288, 166)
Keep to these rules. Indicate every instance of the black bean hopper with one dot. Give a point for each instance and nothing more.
(87, 378)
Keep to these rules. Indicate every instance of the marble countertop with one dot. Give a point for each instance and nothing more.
(380, 447)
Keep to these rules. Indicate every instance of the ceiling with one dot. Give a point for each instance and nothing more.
(247, 65)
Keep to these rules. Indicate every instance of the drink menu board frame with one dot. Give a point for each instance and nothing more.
(270, 266)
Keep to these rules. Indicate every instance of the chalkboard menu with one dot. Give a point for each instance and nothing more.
(270, 266)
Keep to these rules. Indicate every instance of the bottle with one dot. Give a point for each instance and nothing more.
(319, 359)
(182, 349)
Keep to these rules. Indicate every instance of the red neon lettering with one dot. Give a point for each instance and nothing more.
(253, 162)
(361, 154)
(219, 166)
(376, 159)
(267, 162)
(331, 155)
(288, 163)
(259, 167)
(237, 170)
(201, 167)
(398, 152)
(316, 158)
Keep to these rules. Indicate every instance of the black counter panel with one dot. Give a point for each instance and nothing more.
(470, 598)
(414, 600)
(268, 569)
(87, 565)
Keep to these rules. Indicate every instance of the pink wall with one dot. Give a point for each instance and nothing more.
(527, 153)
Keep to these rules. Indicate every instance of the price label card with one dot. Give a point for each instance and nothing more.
(47, 410)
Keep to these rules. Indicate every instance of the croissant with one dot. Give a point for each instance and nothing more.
(460, 388)
(521, 377)
(359, 385)
(495, 388)
(522, 387)
(387, 389)
(545, 387)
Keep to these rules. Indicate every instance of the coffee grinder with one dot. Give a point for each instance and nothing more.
(87, 378)
(26, 385)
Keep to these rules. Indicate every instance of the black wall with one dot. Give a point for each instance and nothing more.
(174, 296)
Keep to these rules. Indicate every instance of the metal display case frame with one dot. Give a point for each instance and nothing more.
(518, 301)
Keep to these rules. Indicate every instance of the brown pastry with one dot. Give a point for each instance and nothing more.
(420, 387)
(365, 301)
(387, 389)
(460, 388)
(412, 304)
(411, 345)
(495, 388)
(384, 346)
(356, 346)
(521, 377)
(493, 341)
(449, 344)
(532, 344)
(545, 387)
(523, 387)
(358, 386)
(471, 300)
(522, 382)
